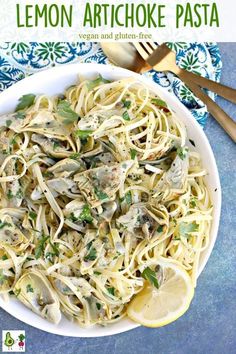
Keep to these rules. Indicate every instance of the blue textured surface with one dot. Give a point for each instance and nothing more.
(209, 325)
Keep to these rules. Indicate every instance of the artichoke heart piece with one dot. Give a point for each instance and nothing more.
(52, 147)
(67, 167)
(36, 292)
(99, 185)
(173, 181)
(45, 121)
(141, 220)
(11, 235)
(63, 186)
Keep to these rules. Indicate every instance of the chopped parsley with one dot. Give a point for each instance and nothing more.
(19, 193)
(127, 198)
(40, 246)
(29, 288)
(98, 81)
(97, 273)
(85, 215)
(8, 122)
(25, 101)
(111, 291)
(150, 275)
(75, 156)
(92, 255)
(133, 153)
(193, 203)
(100, 194)
(9, 194)
(160, 228)
(159, 102)
(98, 306)
(4, 257)
(182, 152)
(56, 145)
(64, 110)
(83, 134)
(126, 116)
(72, 217)
(4, 224)
(185, 229)
(32, 215)
(20, 115)
(126, 103)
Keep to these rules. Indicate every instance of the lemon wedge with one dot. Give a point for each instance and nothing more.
(154, 307)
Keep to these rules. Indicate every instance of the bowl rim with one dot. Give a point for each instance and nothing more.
(106, 70)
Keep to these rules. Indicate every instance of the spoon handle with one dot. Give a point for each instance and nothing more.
(227, 123)
(224, 91)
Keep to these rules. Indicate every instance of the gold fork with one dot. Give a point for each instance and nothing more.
(164, 59)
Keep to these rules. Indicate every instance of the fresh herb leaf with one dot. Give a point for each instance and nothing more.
(98, 306)
(19, 193)
(40, 247)
(193, 203)
(159, 102)
(32, 215)
(150, 275)
(3, 224)
(55, 248)
(100, 194)
(133, 153)
(75, 156)
(4, 257)
(8, 122)
(185, 229)
(56, 145)
(97, 273)
(47, 174)
(83, 134)
(9, 194)
(182, 152)
(85, 215)
(98, 81)
(127, 198)
(92, 255)
(126, 116)
(25, 101)
(64, 110)
(29, 288)
(111, 291)
(160, 228)
(72, 217)
(20, 115)
(126, 103)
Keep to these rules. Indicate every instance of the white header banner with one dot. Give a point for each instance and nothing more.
(111, 20)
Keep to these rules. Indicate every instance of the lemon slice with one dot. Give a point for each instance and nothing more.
(154, 307)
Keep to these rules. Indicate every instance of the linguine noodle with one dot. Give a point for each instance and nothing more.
(94, 186)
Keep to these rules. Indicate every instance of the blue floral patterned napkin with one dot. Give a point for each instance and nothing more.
(18, 60)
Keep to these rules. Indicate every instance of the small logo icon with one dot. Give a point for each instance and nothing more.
(13, 341)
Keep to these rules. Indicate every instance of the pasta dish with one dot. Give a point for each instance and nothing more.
(96, 187)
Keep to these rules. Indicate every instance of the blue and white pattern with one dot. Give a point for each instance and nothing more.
(18, 60)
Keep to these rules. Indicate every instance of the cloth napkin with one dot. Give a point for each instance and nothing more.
(18, 60)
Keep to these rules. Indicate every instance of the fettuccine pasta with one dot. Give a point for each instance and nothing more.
(94, 185)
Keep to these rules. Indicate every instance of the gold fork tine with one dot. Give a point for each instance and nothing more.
(151, 45)
(147, 47)
(143, 52)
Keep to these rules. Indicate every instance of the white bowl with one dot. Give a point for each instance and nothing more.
(54, 81)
